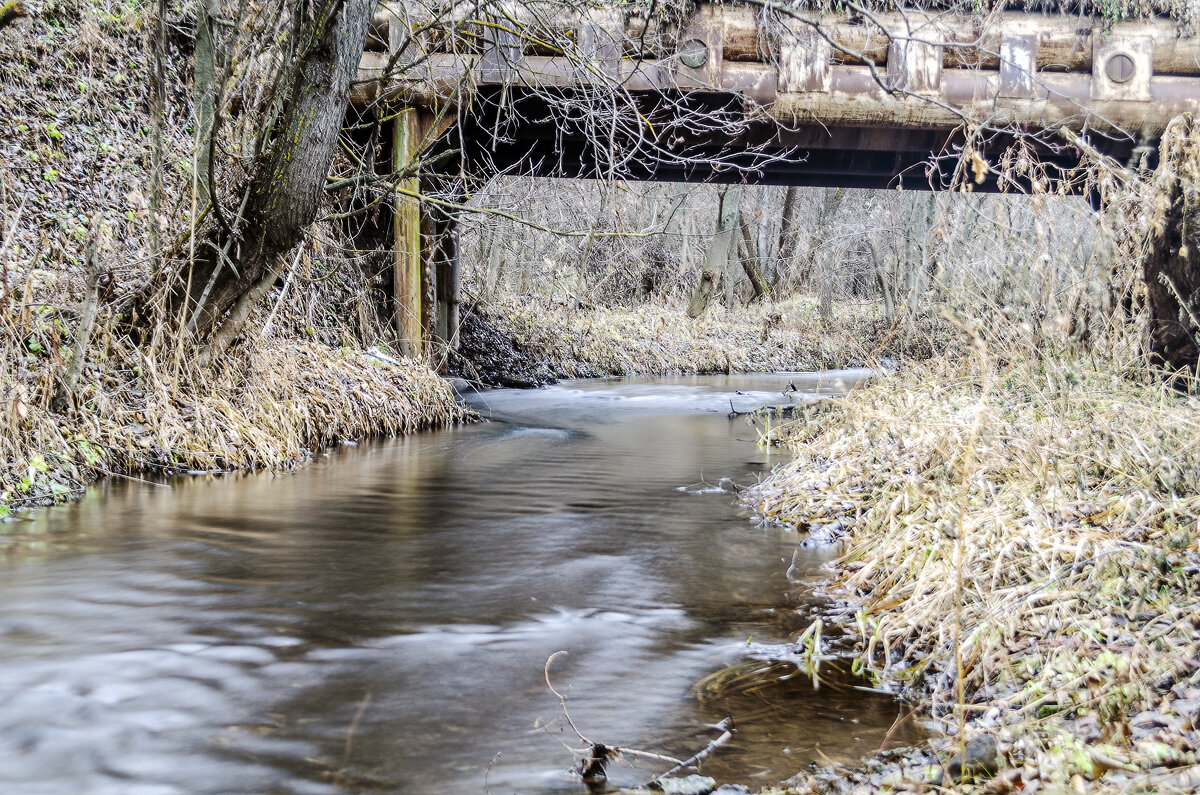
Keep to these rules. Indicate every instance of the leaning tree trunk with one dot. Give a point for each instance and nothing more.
(749, 255)
(1171, 268)
(285, 192)
(718, 252)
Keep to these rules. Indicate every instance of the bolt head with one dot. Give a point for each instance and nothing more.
(1120, 68)
(693, 53)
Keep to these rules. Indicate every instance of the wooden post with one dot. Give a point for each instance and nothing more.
(443, 264)
(449, 279)
(407, 237)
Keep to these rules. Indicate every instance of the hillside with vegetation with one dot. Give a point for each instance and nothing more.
(1015, 496)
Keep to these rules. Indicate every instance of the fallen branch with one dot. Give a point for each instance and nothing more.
(726, 729)
(593, 767)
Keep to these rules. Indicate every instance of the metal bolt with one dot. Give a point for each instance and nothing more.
(1120, 68)
(693, 53)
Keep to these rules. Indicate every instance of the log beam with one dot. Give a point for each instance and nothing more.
(1065, 43)
(406, 226)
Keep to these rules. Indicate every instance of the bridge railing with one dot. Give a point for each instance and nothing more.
(921, 69)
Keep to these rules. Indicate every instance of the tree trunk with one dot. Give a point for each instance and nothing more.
(204, 79)
(284, 194)
(718, 252)
(831, 199)
(917, 248)
(882, 278)
(748, 252)
(789, 232)
(732, 196)
(1171, 268)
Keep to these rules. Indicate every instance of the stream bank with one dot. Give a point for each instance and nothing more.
(1020, 556)
(267, 409)
(531, 340)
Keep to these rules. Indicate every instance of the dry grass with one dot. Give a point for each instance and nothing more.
(268, 408)
(656, 338)
(1023, 554)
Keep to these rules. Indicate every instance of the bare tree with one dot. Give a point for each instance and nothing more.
(241, 256)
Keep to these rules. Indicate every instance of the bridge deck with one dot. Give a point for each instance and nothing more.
(754, 93)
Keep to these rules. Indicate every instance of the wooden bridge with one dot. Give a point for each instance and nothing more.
(750, 93)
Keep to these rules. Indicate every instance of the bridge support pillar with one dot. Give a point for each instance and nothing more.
(406, 227)
(426, 260)
(441, 277)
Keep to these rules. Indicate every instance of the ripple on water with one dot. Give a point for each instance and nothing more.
(224, 635)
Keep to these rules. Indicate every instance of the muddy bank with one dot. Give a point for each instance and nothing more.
(1020, 559)
(490, 355)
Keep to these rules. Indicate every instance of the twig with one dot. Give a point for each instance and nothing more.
(266, 329)
(362, 707)
(591, 768)
(487, 788)
(562, 700)
(726, 729)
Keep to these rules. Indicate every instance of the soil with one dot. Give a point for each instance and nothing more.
(491, 357)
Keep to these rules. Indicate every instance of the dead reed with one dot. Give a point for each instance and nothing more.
(1023, 555)
(268, 408)
(658, 338)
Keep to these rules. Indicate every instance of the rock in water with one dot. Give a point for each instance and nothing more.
(692, 785)
(981, 758)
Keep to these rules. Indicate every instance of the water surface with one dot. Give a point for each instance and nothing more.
(380, 620)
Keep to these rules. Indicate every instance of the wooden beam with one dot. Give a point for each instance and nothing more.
(407, 236)
(854, 97)
(1065, 43)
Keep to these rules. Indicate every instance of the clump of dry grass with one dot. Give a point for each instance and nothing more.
(660, 338)
(268, 408)
(1023, 553)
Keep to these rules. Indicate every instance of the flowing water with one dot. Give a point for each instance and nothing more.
(380, 620)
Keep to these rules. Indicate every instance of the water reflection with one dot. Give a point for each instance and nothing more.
(380, 620)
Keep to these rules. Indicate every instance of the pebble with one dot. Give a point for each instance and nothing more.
(691, 785)
(978, 758)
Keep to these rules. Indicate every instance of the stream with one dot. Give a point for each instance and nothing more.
(381, 619)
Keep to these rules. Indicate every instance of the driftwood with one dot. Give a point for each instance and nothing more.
(11, 11)
(726, 729)
(592, 767)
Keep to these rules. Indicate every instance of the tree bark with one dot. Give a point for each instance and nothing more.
(718, 252)
(285, 192)
(204, 79)
(789, 231)
(1171, 268)
(10, 12)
